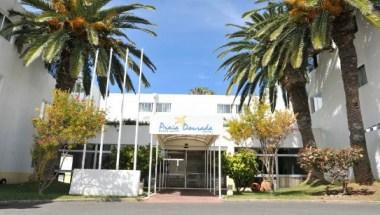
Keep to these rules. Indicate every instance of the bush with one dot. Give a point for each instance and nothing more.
(66, 123)
(126, 159)
(334, 163)
(241, 167)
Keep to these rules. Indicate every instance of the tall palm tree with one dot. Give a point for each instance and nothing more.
(201, 91)
(67, 33)
(267, 55)
(339, 24)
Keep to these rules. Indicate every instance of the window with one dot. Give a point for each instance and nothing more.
(164, 107)
(316, 103)
(146, 107)
(224, 108)
(237, 109)
(4, 23)
(312, 63)
(362, 76)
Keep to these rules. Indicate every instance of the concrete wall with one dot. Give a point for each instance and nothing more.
(330, 120)
(21, 91)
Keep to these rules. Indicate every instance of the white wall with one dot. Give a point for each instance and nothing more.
(21, 91)
(331, 120)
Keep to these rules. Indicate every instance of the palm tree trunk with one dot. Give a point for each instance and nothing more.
(343, 34)
(295, 84)
(64, 79)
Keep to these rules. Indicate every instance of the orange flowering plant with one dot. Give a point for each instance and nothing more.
(65, 123)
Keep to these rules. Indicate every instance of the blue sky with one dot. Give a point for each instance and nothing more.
(189, 32)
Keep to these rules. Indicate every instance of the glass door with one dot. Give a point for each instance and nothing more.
(195, 170)
(175, 176)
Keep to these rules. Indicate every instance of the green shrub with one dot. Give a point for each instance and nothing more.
(241, 167)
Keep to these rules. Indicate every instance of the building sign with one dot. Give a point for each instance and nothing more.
(186, 125)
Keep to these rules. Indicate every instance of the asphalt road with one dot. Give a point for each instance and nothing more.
(238, 208)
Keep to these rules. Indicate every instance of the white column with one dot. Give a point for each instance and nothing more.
(95, 157)
(93, 75)
(138, 113)
(155, 169)
(214, 176)
(277, 173)
(220, 172)
(206, 169)
(123, 91)
(210, 169)
(105, 106)
(84, 155)
(150, 164)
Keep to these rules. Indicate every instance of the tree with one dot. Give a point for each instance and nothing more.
(335, 20)
(270, 129)
(201, 91)
(66, 123)
(263, 57)
(241, 167)
(67, 33)
(239, 131)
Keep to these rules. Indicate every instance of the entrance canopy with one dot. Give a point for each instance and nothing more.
(186, 131)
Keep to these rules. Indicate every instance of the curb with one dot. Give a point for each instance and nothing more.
(69, 200)
(306, 201)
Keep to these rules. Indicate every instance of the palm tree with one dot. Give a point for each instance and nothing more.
(263, 57)
(338, 23)
(67, 33)
(272, 50)
(201, 91)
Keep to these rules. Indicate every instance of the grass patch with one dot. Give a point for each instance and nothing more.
(317, 192)
(57, 191)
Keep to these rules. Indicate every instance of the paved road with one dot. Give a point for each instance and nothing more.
(239, 208)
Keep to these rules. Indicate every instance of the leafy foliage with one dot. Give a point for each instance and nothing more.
(238, 130)
(201, 91)
(66, 122)
(67, 33)
(126, 158)
(334, 163)
(270, 129)
(241, 167)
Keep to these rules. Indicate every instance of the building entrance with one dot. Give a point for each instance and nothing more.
(185, 169)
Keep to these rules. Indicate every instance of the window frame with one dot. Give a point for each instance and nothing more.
(221, 108)
(144, 105)
(164, 107)
(362, 75)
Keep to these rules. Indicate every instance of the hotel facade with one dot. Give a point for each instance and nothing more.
(188, 129)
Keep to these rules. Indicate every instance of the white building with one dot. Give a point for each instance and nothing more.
(327, 98)
(187, 128)
(22, 89)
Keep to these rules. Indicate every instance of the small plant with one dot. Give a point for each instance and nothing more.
(241, 167)
(66, 123)
(334, 163)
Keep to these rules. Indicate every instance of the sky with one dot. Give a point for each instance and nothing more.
(189, 32)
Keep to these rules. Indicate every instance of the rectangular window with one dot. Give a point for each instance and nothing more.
(237, 109)
(164, 107)
(224, 108)
(316, 103)
(312, 63)
(362, 76)
(146, 107)
(4, 23)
